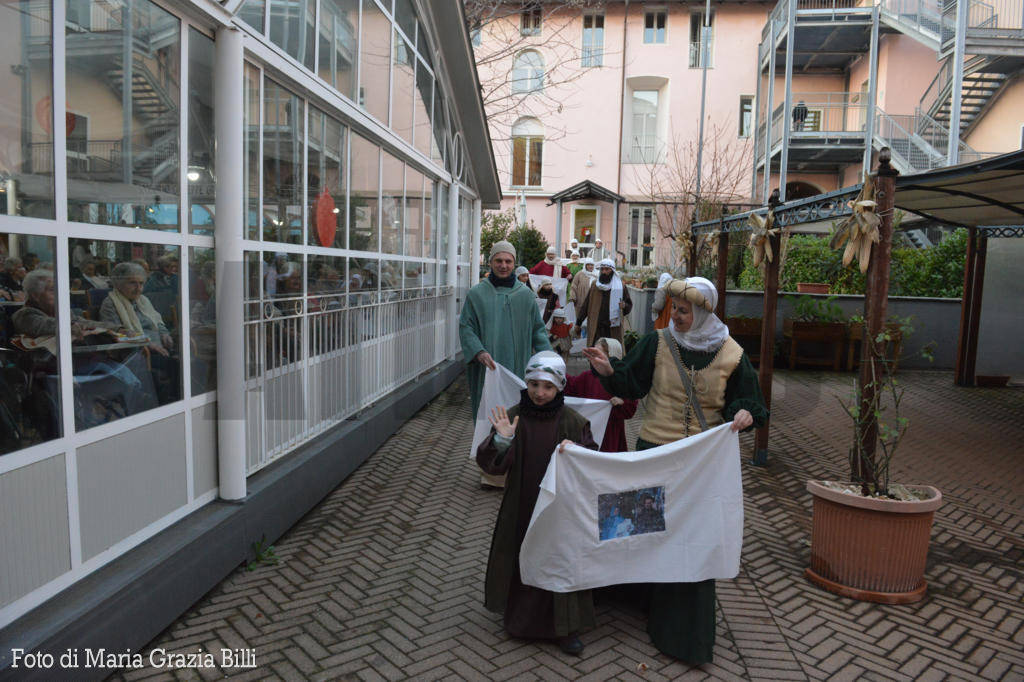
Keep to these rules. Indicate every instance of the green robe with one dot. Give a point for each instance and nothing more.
(681, 616)
(504, 322)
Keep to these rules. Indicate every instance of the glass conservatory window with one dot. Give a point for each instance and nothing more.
(283, 133)
(201, 174)
(26, 136)
(125, 167)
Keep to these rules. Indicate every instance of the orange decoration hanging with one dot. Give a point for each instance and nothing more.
(326, 218)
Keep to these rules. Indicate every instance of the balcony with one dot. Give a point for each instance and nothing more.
(830, 134)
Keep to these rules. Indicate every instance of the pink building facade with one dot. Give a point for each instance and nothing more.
(612, 95)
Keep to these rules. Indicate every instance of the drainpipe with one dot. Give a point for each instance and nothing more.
(787, 110)
(622, 100)
(230, 210)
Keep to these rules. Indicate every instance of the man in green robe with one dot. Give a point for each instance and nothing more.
(500, 323)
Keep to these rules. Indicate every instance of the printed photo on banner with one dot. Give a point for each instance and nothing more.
(631, 512)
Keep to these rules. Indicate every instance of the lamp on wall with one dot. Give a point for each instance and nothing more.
(589, 163)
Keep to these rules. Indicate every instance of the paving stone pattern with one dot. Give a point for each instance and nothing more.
(383, 580)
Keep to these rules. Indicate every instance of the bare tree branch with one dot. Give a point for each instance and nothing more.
(670, 181)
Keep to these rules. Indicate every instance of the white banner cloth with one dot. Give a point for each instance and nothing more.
(502, 387)
(590, 527)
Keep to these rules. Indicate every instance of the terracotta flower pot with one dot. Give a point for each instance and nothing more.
(871, 549)
(811, 288)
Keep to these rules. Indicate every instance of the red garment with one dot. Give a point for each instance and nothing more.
(560, 330)
(587, 385)
(548, 270)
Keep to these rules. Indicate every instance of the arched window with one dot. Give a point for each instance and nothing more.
(527, 152)
(528, 72)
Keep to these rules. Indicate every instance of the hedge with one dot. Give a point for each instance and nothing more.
(934, 272)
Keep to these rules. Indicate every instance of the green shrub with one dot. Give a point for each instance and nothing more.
(530, 244)
(528, 240)
(935, 272)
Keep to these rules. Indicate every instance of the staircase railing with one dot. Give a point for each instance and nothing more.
(924, 15)
(909, 149)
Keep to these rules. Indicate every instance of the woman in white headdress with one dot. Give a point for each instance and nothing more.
(695, 350)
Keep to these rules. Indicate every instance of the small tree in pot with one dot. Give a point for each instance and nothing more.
(866, 543)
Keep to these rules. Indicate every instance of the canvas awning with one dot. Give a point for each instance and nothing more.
(989, 192)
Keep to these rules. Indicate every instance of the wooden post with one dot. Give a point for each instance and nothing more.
(962, 376)
(723, 264)
(766, 366)
(876, 301)
(970, 366)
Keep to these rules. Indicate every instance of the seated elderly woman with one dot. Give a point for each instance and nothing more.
(38, 317)
(106, 387)
(127, 307)
(89, 278)
(11, 277)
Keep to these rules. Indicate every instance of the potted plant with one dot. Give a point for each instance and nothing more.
(815, 321)
(870, 537)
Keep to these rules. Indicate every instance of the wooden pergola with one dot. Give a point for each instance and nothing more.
(986, 197)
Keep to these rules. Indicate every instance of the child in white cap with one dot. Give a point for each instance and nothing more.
(520, 444)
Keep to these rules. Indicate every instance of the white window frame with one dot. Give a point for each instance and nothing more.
(527, 78)
(636, 255)
(597, 224)
(654, 13)
(592, 54)
(749, 100)
(531, 20)
(695, 55)
(645, 145)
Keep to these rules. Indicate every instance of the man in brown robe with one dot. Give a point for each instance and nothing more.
(606, 306)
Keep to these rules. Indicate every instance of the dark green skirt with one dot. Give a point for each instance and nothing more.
(681, 617)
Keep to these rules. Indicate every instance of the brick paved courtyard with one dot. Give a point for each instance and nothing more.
(384, 578)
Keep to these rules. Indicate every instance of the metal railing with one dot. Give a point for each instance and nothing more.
(311, 367)
(924, 15)
(645, 149)
(826, 113)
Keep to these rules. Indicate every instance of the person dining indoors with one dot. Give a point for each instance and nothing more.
(89, 278)
(128, 307)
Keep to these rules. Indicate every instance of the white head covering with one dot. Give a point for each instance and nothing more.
(590, 273)
(574, 252)
(615, 287)
(559, 312)
(546, 280)
(551, 255)
(614, 347)
(547, 366)
(665, 278)
(521, 270)
(707, 333)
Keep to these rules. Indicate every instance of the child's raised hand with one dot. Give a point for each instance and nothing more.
(599, 361)
(561, 446)
(499, 419)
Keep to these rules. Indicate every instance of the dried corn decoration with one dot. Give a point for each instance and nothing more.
(860, 230)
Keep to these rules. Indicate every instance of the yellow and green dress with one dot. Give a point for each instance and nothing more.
(681, 617)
